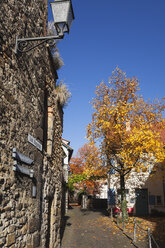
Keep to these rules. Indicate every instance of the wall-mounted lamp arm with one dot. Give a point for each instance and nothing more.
(22, 44)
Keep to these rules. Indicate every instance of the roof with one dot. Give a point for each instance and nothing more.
(70, 149)
(66, 141)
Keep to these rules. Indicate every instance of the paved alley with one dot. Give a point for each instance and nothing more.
(87, 229)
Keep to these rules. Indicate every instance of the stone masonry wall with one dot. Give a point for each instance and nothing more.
(24, 88)
(52, 174)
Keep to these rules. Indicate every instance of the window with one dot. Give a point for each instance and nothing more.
(151, 199)
(158, 200)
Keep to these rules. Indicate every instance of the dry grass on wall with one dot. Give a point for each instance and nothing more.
(62, 94)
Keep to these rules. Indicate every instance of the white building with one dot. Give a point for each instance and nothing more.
(145, 192)
(68, 151)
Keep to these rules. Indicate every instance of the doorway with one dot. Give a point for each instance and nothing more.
(141, 202)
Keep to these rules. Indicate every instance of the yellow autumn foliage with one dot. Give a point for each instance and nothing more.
(125, 124)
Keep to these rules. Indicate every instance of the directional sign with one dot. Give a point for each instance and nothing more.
(34, 191)
(23, 170)
(34, 142)
(19, 156)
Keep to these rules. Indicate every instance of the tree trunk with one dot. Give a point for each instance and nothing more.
(123, 197)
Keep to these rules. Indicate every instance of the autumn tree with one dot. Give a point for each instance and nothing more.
(124, 124)
(86, 168)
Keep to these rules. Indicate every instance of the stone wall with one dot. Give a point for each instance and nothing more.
(52, 175)
(26, 83)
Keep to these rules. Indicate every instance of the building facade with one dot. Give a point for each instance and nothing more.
(145, 192)
(31, 155)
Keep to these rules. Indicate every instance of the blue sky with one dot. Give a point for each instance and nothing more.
(105, 34)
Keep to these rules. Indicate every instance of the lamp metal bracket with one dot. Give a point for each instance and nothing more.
(22, 45)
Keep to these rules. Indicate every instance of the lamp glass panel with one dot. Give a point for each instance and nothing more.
(70, 17)
(61, 27)
(60, 11)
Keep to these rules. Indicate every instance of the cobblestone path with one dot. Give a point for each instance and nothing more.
(86, 229)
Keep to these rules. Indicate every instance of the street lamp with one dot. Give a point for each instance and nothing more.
(63, 17)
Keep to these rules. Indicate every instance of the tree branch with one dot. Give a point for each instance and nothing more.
(112, 166)
(132, 166)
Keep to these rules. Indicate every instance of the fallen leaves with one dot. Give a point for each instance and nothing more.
(156, 225)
